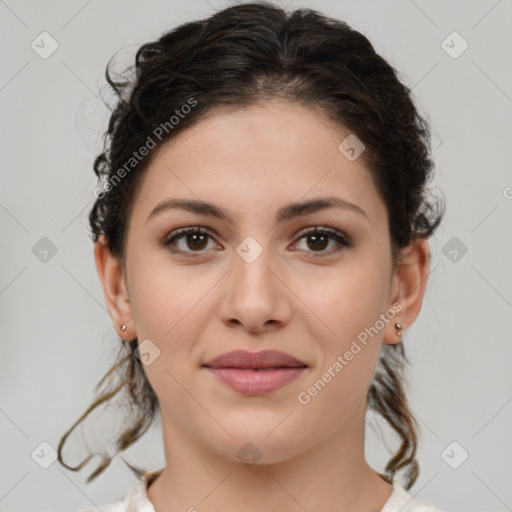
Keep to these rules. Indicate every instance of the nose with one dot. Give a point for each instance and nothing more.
(255, 295)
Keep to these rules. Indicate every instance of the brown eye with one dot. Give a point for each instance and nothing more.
(194, 239)
(318, 240)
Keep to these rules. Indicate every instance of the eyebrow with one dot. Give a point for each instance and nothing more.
(285, 213)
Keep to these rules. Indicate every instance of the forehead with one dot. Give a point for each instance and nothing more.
(257, 159)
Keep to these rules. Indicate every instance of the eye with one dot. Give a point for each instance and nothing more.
(319, 237)
(193, 237)
(196, 239)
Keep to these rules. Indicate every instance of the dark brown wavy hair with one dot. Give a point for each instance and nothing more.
(239, 57)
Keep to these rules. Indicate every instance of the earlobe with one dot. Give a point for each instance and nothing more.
(409, 284)
(112, 278)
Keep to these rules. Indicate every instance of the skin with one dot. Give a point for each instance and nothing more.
(194, 308)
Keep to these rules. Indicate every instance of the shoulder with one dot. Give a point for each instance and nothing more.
(403, 501)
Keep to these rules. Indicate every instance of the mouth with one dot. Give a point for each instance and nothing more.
(256, 373)
(265, 359)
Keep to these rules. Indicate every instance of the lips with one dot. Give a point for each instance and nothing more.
(255, 373)
(264, 359)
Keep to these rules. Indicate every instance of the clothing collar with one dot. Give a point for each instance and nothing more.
(137, 499)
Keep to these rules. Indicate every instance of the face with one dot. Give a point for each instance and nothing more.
(256, 280)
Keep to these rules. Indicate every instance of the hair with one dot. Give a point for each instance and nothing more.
(239, 57)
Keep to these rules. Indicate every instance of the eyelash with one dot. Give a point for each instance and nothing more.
(340, 238)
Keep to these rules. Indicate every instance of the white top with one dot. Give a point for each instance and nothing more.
(136, 500)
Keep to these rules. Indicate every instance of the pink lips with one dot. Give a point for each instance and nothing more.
(255, 373)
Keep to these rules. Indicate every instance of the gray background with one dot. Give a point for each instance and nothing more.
(56, 336)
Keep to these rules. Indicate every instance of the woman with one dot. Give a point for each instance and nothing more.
(261, 236)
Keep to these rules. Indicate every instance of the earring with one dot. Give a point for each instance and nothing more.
(399, 327)
(123, 328)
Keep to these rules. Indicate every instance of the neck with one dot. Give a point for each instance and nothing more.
(333, 475)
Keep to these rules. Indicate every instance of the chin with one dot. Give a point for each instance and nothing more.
(257, 444)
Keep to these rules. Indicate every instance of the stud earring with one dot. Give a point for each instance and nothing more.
(398, 327)
(123, 328)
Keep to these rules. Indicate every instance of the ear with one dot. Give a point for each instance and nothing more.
(408, 288)
(115, 291)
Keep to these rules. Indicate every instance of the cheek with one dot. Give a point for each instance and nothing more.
(168, 310)
(334, 396)
(163, 293)
(351, 307)
(171, 306)
(346, 300)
